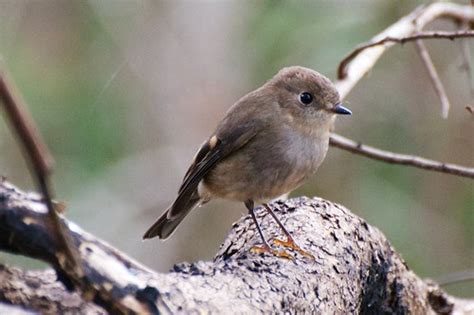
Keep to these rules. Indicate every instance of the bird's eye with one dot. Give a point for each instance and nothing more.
(306, 98)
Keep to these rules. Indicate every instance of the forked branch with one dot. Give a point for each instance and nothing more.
(409, 25)
(355, 65)
(341, 70)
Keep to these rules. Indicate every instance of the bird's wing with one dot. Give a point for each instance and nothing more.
(211, 152)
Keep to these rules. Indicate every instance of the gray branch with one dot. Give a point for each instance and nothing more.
(356, 270)
(40, 291)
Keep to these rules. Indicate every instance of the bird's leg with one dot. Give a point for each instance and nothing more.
(290, 242)
(265, 248)
(259, 229)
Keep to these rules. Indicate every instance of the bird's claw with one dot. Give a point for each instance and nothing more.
(290, 243)
(266, 249)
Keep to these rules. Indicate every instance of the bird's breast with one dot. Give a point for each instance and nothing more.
(267, 167)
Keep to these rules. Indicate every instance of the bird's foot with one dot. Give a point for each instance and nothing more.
(290, 243)
(267, 249)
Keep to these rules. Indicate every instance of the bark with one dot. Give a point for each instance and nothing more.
(40, 291)
(355, 270)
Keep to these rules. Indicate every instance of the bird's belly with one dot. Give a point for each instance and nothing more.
(262, 175)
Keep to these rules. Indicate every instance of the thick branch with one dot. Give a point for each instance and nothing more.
(355, 271)
(40, 291)
(396, 158)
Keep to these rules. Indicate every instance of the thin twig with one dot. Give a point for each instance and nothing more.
(341, 73)
(41, 159)
(467, 59)
(456, 277)
(396, 158)
(434, 77)
(353, 68)
(408, 25)
(41, 162)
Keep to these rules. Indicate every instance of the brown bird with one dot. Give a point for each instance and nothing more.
(268, 144)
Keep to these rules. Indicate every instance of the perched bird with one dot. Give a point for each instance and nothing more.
(268, 144)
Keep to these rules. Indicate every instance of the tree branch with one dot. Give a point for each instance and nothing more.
(41, 163)
(24, 127)
(341, 70)
(356, 270)
(467, 58)
(39, 290)
(353, 67)
(406, 26)
(434, 77)
(396, 158)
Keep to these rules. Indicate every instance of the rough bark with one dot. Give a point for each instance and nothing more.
(356, 270)
(40, 291)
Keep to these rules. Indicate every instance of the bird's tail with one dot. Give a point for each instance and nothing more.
(164, 226)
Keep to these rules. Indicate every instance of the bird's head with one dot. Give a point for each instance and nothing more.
(307, 96)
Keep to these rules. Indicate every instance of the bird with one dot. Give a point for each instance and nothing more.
(268, 144)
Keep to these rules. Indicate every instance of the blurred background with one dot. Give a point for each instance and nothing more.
(124, 93)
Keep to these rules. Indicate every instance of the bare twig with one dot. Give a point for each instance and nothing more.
(41, 163)
(456, 277)
(41, 159)
(400, 40)
(434, 77)
(360, 61)
(467, 64)
(396, 158)
(467, 59)
(406, 26)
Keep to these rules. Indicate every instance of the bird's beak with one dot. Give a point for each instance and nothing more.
(341, 110)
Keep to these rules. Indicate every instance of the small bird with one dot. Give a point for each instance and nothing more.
(268, 144)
